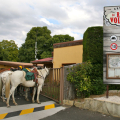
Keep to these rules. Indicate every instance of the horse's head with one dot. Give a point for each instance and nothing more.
(47, 70)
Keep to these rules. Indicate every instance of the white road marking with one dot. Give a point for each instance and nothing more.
(37, 115)
(22, 107)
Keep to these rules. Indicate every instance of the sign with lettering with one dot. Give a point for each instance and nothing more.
(111, 45)
(113, 17)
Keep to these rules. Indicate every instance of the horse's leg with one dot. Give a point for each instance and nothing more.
(11, 91)
(34, 91)
(26, 94)
(13, 97)
(38, 93)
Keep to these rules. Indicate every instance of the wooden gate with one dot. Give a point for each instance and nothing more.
(53, 86)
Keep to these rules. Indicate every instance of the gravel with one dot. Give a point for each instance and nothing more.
(114, 99)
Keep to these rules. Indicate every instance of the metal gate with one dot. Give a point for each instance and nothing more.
(53, 86)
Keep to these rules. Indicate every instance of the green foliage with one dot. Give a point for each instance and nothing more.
(93, 51)
(44, 44)
(46, 54)
(97, 71)
(79, 76)
(1, 56)
(27, 50)
(114, 87)
(97, 86)
(93, 45)
(9, 50)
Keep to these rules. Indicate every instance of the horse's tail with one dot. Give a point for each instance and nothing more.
(7, 85)
(0, 85)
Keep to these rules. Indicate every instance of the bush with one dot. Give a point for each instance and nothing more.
(97, 86)
(93, 51)
(114, 87)
(79, 77)
(93, 45)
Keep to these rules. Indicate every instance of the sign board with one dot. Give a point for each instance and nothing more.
(111, 45)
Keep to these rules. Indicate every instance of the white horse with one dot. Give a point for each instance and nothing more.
(3, 77)
(17, 78)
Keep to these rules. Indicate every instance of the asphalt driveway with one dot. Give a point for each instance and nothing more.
(74, 113)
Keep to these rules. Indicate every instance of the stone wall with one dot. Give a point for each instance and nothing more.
(68, 87)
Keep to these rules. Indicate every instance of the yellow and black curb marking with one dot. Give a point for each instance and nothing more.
(27, 111)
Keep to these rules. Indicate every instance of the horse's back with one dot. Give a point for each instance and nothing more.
(17, 74)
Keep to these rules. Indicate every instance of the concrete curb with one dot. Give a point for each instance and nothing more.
(27, 111)
(104, 107)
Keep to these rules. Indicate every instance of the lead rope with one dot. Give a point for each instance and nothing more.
(42, 75)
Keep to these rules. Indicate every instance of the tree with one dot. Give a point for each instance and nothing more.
(9, 50)
(27, 50)
(1, 57)
(44, 44)
(48, 46)
(22, 52)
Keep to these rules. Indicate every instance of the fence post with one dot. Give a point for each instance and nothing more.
(61, 84)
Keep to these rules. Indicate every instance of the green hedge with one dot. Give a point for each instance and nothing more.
(93, 52)
(93, 45)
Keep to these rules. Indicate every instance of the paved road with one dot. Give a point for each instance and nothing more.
(74, 113)
(55, 113)
(21, 100)
(26, 110)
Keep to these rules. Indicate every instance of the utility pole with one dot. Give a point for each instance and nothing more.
(36, 48)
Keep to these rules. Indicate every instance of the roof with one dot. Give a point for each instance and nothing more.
(16, 64)
(66, 44)
(42, 61)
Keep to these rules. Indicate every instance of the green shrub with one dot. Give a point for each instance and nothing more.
(97, 86)
(93, 45)
(114, 87)
(93, 51)
(79, 77)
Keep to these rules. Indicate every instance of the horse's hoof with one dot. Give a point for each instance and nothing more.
(16, 104)
(8, 106)
(39, 102)
(26, 99)
(33, 101)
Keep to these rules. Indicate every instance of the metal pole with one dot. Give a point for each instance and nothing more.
(36, 47)
(107, 92)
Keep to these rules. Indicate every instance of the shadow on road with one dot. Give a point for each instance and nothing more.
(21, 100)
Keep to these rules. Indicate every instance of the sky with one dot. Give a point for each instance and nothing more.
(71, 17)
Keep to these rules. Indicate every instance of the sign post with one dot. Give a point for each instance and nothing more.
(111, 45)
